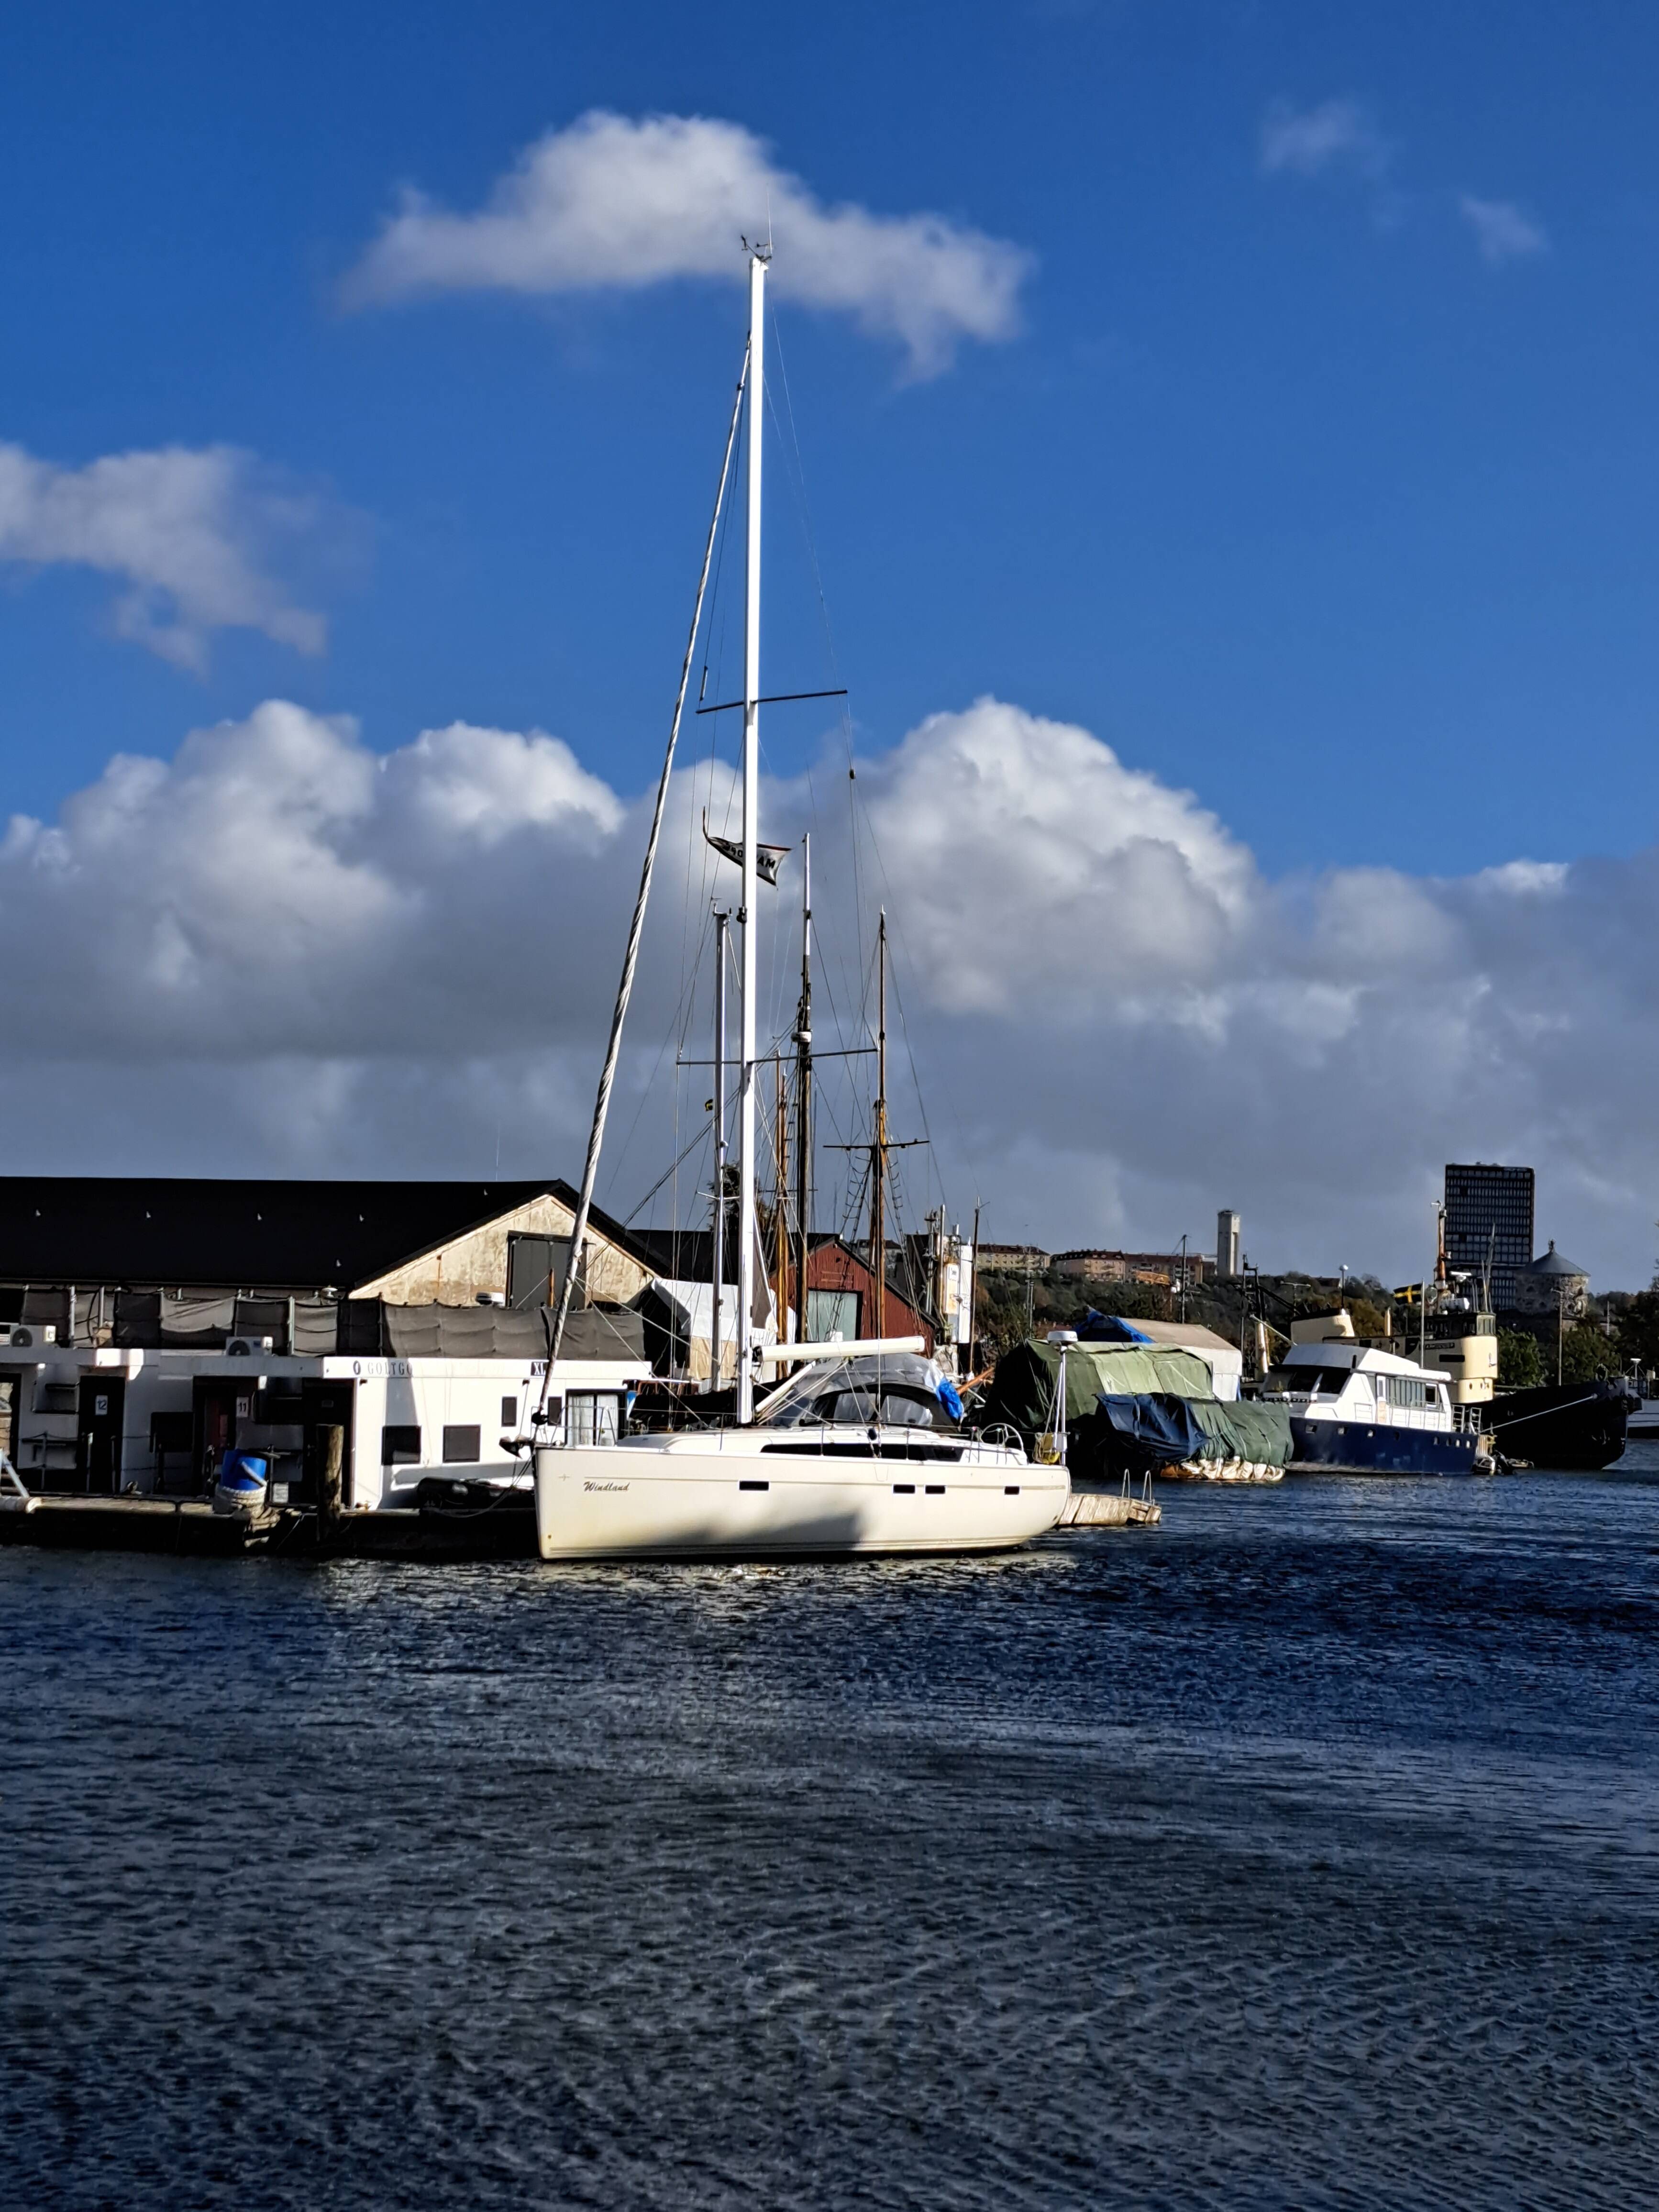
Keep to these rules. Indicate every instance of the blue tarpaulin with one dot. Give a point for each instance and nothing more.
(1110, 1329)
(1167, 1430)
(1165, 1426)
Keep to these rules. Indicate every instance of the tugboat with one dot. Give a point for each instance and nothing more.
(1580, 1426)
(1576, 1426)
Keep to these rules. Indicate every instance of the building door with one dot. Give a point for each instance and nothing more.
(326, 1405)
(98, 1434)
(215, 1409)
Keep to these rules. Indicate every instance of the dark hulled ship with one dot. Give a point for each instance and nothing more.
(1577, 1425)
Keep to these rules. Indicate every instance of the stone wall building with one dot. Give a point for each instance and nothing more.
(1550, 1288)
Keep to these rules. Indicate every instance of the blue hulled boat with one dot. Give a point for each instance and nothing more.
(1358, 1411)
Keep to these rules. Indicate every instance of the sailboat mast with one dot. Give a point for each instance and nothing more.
(716, 1364)
(747, 1238)
(878, 1148)
(780, 1210)
(803, 1092)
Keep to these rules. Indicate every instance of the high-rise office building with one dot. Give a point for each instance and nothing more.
(1226, 1245)
(1489, 1224)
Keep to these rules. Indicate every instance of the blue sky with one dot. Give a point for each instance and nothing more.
(1314, 473)
(1288, 495)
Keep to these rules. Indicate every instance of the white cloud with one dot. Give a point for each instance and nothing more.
(1073, 843)
(281, 951)
(188, 532)
(612, 204)
(1502, 232)
(1336, 134)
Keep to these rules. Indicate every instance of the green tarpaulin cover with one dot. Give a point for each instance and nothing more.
(1022, 1391)
(1242, 1429)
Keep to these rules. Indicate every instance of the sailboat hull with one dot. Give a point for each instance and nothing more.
(730, 1496)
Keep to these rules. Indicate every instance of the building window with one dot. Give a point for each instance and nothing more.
(591, 1417)
(400, 1447)
(461, 1445)
(535, 1270)
(831, 1312)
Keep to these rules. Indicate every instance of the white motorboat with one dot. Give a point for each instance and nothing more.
(1356, 1410)
(863, 1449)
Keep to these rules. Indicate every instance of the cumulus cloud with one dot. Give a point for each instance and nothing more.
(1501, 232)
(615, 203)
(1337, 135)
(1072, 840)
(280, 950)
(277, 887)
(189, 532)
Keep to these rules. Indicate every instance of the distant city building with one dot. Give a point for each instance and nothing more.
(1489, 1224)
(1158, 1268)
(1012, 1260)
(1226, 1245)
(1551, 1286)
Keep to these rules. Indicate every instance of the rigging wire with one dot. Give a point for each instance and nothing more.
(630, 958)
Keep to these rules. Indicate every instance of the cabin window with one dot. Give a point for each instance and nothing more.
(1407, 1391)
(400, 1447)
(509, 1412)
(461, 1444)
(1316, 1382)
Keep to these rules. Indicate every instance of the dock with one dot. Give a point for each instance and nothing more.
(190, 1528)
(1109, 1509)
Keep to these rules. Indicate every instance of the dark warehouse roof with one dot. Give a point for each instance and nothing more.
(234, 1234)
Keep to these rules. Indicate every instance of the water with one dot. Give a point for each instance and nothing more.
(1301, 1852)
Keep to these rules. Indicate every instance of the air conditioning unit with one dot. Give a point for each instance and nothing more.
(244, 1347)
(22, 1339)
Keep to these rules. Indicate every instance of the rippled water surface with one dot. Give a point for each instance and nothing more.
(1300, 1852)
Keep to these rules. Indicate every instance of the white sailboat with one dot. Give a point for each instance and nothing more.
(862, 1449)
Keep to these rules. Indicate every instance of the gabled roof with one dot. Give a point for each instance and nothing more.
(236, 1234)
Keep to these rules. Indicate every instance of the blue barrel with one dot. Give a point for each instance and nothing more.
(243, 1479)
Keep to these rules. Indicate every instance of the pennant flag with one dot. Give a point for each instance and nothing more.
(768, 858)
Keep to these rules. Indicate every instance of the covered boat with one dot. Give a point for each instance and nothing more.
(1135, 1407)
